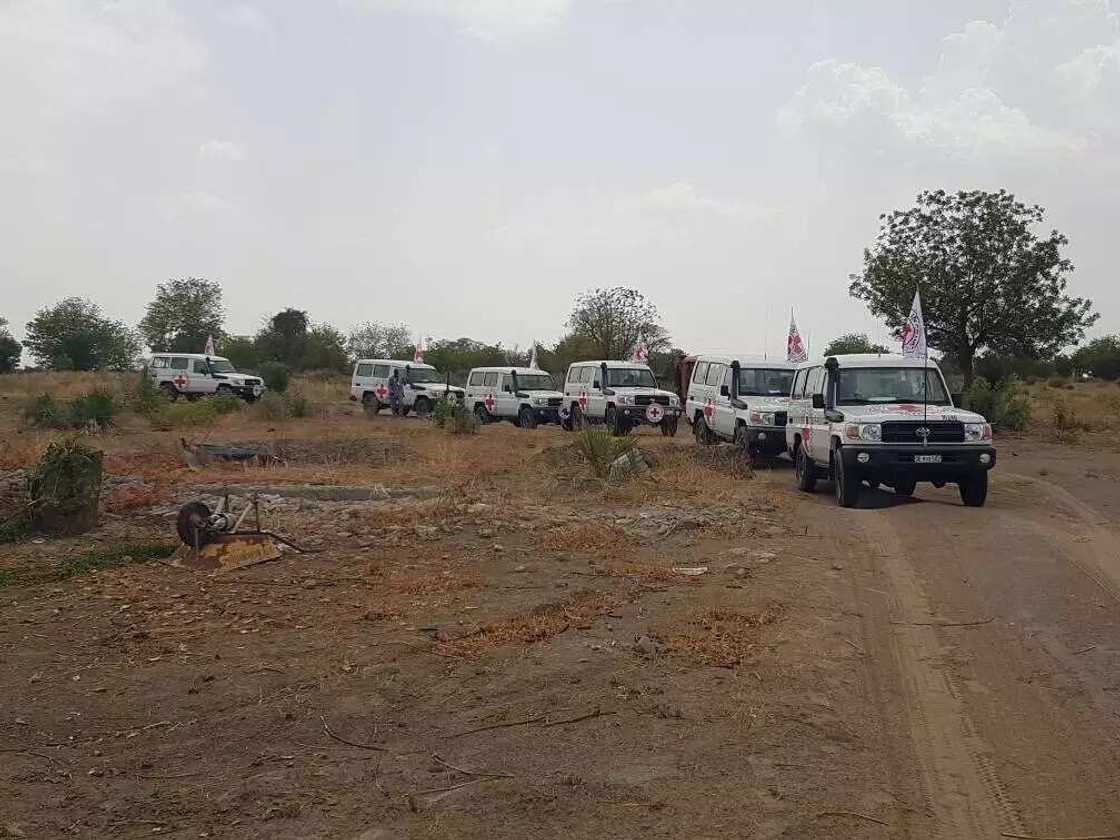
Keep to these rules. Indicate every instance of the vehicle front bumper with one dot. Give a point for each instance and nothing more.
(637, 413)
(887, 460)
(546, 414)
(766, 440)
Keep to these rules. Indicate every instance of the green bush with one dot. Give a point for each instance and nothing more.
(1057, 382)
(43, 411)
(224, 404)
(276, 376)
(298, 404)
(1066, 425)
(600, 448)
(178, 415)
(444, 412)
(144, 396)
(271, 406)
(1005, 406)
(95, 407)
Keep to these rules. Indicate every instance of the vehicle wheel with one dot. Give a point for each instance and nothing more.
(566, 423)
(170, 391)
(905, 487)
(740, 439)
(974, 489)
(614, 422)
(482, 414)
(804, 471)
(192, 397)
(526, 419)
(669, 426)
(577, 420)
(422, 407)
(704, 435)
(844, 480)
(225, 391)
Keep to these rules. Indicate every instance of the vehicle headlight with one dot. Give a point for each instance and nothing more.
(762, 418)
(625, 400)
(672, 400)
(977, 431)
(540, 401)
(863, 431)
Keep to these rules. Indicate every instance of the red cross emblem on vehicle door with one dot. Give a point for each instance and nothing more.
(180, 381)
(709, 408)
(583, 399)
(489, 402)
(381, 391)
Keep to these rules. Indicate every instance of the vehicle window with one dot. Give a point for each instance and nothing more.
(421, 375)
(476, 378)
(507, 383)
(157, 363)
(715, 374)
(363, 370)
(596, 384)
(727, 374)
(700, 373)
(813, 385)
(179, 363)
(584, 374)
(634, 377)
(890, 385)
(381, 371)
(798, 379)
(765, 382)
(535, 382)
(199, 366)
(490, 380)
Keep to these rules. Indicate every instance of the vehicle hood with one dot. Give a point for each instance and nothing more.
(766, 403)
(656, 392)
(551, 395)
(887, 412)
(238, 378)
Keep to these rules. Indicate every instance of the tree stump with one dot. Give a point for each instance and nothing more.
(65, 489)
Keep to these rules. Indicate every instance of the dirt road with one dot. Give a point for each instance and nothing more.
(994, 650)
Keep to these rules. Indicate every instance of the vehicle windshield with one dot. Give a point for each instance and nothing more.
(858, 386)
(535, 382)
(424, 375)
(221, 366)
(765, 382)
(630, 378)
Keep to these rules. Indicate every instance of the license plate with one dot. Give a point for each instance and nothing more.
(927, 459)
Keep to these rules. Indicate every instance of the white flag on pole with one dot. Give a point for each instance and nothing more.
(795, 348)
(914, 331)
(641, 353)
(209, 351)
(533, 358)
(418, 355)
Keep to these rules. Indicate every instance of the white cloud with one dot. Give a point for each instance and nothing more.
(222, 150)
(1042, 84)
(246, 16)
(487, 19)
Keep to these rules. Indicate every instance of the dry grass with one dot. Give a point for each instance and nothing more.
(540, 624)
(606, 541)
(1094, 405)
(135, 497)
(720, 637)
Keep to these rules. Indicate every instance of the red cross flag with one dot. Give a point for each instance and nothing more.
(914, 331)
(641, 353)
(209, 351)
(533, 358)
(795, 348)
(418, 356)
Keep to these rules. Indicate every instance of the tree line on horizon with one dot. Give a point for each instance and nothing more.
(993, 290)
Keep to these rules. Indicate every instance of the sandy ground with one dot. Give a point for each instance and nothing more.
(514, 656)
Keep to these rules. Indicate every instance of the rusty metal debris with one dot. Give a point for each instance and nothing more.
(217, 541)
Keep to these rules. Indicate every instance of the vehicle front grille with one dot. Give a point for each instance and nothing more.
(780, 418)
(554, 402)
(907, 431)
(646, 399)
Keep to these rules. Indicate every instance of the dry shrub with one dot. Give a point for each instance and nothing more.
(597, 538)
(719, 637)
(135, 497)
(649, 573)
(22, 450)
(408, 582)
(539, 624)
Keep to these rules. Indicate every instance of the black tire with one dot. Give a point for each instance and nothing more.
(526, 418)
(704, 435)
(192, 519)
(566, 422)
(224, 391)
(577, 420)
(844, 480)
(740, 439)
(669, 426)
(613, 421)
(904, 487)
(481, 414)
(422, 407)
(974, 489)
(804, 471)
(170, 391)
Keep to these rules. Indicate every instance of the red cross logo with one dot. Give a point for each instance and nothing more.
(381, 391)
(180, 381)
(489, 402)
(709, 409)
(807, 437)
(583, 399)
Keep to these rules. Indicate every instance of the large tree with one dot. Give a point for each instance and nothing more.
(374, 340)
(988, 281)
(1100, 357)
(615, 320)
(326, 349)
(73, 335)
(853, 343)
(182, 315)
(10, 349)
(284, 338)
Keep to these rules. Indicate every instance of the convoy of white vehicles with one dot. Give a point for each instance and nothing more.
(879, 419)
(194, 375)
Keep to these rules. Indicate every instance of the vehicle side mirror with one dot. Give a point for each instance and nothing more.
(603, 368)
(818, 400)
(724, 391)
(957, 399)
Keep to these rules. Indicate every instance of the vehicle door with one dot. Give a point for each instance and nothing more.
(158, 370)
(508, 402)
(360, 381)
(820, 441)
(202, 381)
(723, 415)
(474, 388)
(491, 385)
(180, 370)
(596, 399)
(697, 390)
(796, 412)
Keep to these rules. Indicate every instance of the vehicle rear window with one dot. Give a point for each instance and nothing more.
(490, 380)
(381, 371)
(364, 370)
(476, 378)
(179, 363)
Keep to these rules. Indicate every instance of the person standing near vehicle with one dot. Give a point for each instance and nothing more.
(396, 392)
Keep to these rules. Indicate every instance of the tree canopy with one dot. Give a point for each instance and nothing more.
(1100, 357)
(853, 343)
(374, 340)
(987, 280)
(10, 349)
(615, 320)
(73, 335)
(183, 314)
(284, 338)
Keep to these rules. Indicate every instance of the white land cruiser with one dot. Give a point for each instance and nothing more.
(423, 385)
(196, 374)
(524, 396)
(884, 419)
(742, 399)
(621, 395)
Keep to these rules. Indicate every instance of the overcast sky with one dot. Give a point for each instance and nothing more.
(468, 166)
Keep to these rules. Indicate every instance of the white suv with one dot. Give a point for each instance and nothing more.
(423, 385)
(621, 395)
(524, 396)
(883, 419)
(195, 374)
(743, 399)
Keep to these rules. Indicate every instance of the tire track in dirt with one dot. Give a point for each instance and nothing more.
(960, 788)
